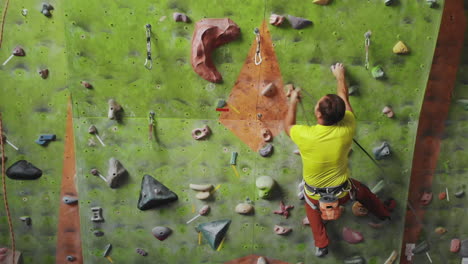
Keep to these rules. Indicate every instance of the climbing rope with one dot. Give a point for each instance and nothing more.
(148, 62)
(367, 36)
(258, 55)
(7, 208)
(3, 21)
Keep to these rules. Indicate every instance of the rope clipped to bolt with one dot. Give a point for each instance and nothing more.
(367, 36)
(149, 61)
(258, 55)
(5, 199)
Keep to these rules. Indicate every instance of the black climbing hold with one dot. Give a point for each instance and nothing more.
(116, 173)
(23, 170)
(98, 233)
(389, 2)
(26, 219)
(161, 232)
(214, 232)
(70, 199)
(141, 252)
(107, 250)
(71, 258)
(46, 8)
(464, 248)
(266, 151)
(431, 3)
(460, 194)
(422, 247)
(298, 22)
(382, 151)
(44, 73)
(154, 194)
(221, 103)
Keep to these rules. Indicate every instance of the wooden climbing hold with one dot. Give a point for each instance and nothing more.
(440, 230)
(276, 20)
(400, 48)
(388, 111)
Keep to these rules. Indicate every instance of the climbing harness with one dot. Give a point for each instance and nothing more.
(258, 55)
(367, 36)
(148, 62)
(151, 124)
(329, 202)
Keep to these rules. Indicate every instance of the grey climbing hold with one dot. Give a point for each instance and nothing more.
(352, 236)
(23, 170)
(44, 73)
(115, 110)
(244, 208)
(180, 17)
(98, 233)
(107, 250)
(265, 185)
(141, 252)
(221, 103)
(422, 247)
(154, 194)
(459, 194)
(353, 90)
(24, 12)
(389, 2)
(92, 129)
(298, 22)
(381, 152)
(70, 199)
(464, 249)
(300, 188)
(46, 8)
(355, 260)
(96, 214)
(269, 90)
(431, 3)
(26, 219)
(161, 232)
(44, 139)
(266, 151)
(305, 221)
(377, 72)
(71, 258)
(116, 173)
(203, 195)
(261, 260)
(214, 232)
(233, 160)
(281, 230)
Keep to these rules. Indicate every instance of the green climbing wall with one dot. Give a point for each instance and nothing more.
(451, 174)
(103, 42)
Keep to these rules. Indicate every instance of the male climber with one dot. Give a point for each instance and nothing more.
(324, 149)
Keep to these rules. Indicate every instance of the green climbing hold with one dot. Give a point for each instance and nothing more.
(214, 232)
(233, 158)
(377, 72)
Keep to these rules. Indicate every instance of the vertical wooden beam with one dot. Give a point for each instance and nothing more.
(437, 100)
(68, 232)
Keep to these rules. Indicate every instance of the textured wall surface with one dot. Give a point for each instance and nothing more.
(103, 42)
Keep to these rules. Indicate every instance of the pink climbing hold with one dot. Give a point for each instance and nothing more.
(455, 245)
(351, 236)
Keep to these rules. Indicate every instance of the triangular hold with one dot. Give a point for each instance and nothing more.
(154, 194)
(214, 232)
(250, 111)
(23, 170)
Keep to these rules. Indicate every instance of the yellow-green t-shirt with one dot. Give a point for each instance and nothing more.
(324, 151)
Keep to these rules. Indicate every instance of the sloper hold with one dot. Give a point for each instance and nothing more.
(209, 34)
(116, 173)
(214, 232)
(352, 236)
(298, 22)
(154, 194)
(23, 170)
(400, 48)
(161, 232)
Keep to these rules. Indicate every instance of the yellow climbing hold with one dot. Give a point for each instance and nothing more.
(400, 48)
(321, 2)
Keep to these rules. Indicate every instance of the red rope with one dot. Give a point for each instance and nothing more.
(7, 208)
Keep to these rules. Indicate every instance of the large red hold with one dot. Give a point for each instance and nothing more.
(209, 34)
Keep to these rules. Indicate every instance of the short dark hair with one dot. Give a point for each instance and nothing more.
(332, 108)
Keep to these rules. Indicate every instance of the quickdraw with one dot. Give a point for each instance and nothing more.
(148, 62)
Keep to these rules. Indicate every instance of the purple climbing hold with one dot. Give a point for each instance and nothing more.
(351, 236)
(44, 73)
(141, 252)
(161, 232)
(298, 22)
(19, 51)
(180, 17)
(266, 151)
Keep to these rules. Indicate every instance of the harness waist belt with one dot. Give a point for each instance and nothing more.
(328, 190)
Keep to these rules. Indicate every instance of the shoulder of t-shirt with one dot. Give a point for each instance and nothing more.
(297, 131)
(349, 119)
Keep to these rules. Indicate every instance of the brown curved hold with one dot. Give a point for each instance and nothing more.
(209, 34)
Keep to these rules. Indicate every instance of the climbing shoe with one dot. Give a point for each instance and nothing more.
(321, 252)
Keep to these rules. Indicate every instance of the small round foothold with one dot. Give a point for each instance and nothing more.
(94, 172)
(71, 258)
